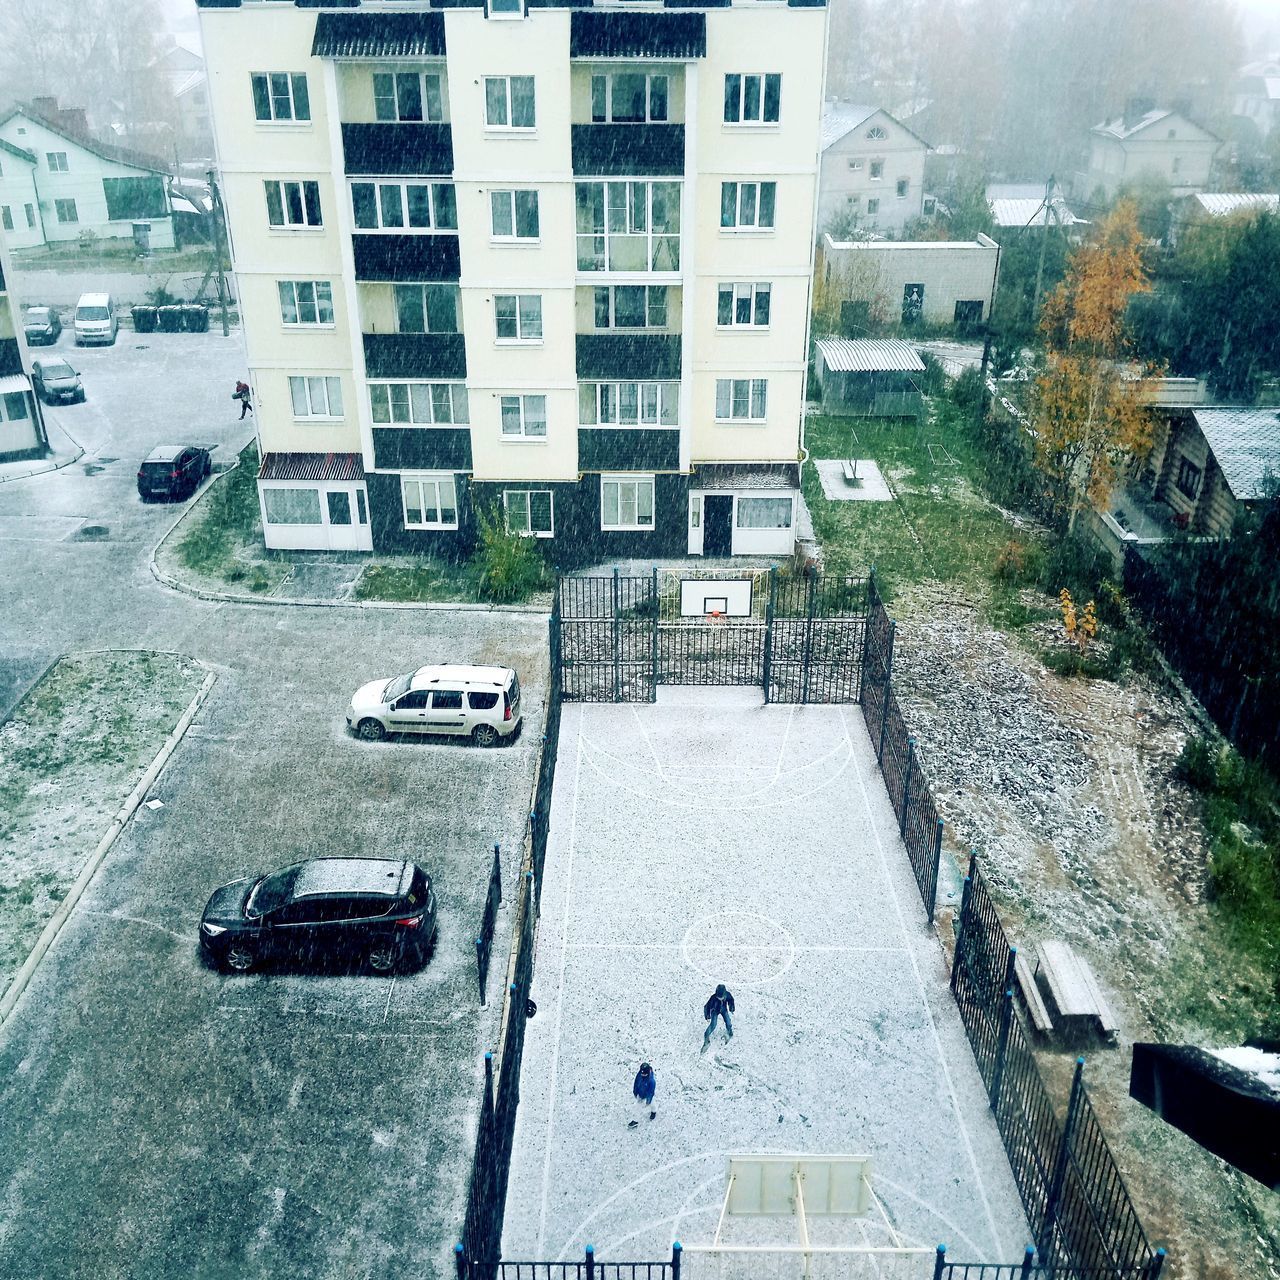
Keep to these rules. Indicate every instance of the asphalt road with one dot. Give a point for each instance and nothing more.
(159, 1119)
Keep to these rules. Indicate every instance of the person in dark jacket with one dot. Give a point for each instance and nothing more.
(720, 1005)
(242, 394)
(646, 1083)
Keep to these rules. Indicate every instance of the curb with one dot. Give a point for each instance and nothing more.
(45, 467)
(126, 811)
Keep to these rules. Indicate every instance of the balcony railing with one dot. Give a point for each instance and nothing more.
(406, 258)
(422, 448)
(428, 357)
(628, 448)
(622, 150)
(397, 150)
(628, 355)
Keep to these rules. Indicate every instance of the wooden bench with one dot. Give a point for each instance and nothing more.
(850, 469)
(1073, 994)
(1036, 1008)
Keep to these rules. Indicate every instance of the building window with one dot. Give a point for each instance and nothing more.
(407, 96)
(968, 312)
(306, 302)
(518, 317)
(747, 204)
(524, 417)
(904, 185)
(131, 198)
(752, 99)
(316, 397)
(529, 512)
(420, 404)
(626, 502)
(631, 306)
(628, 226)
(66, 210)
(763, 513)
(1188, 480)
(876, 134)
(30, 210)
(426, 308)
(877, 170)
(629, 404)
(404, 206)
(855, 165)
(1177, 164)
(293, 204)
(629, 97)
(57, 161)
(509, 102)
(513, 215)
(873, 205)
(280, 96)
(743, 306)
(430, 502)
(6, 217)
(741, 399)
(292, 506)
(507, 7)
(15, 406)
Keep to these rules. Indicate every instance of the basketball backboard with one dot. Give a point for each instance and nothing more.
(828, 1186)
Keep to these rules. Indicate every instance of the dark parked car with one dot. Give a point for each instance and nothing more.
(173, 471)
(43, 326)
(375, 909)
(56, 382)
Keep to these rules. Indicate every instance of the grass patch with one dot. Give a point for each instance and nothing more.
(418, 581)
(111, 255)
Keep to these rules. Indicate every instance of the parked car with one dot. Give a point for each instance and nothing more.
(172, 472)
(482, 703)
(95, 319)
(378, 909)
(56, 382)
(43, 327)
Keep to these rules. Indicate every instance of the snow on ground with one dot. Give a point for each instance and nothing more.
(711, 838)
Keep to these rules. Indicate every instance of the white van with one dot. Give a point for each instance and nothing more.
(480, 703)
(95, 319)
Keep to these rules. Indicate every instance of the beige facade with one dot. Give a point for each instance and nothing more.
(532, 251)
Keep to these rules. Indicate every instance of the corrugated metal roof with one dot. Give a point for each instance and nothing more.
(1028, 211)
(1245, 444)
(1220, 203)
(729, 475)
(869, 355)
(638, 35)
(14, 382)
(378, 35)
(311, 466)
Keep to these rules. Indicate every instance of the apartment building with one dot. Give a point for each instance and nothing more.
(546, 261)
(22, 430)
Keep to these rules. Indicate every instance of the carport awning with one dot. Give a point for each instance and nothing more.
(311, 466)
(14, 382)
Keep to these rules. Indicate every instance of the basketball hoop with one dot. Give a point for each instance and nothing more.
(715, 615)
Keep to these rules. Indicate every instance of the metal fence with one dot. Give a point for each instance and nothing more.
(489, 918)
(584, 1268)
(1029, 1269)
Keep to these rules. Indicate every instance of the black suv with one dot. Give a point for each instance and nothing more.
(376, 909)
(173, 471)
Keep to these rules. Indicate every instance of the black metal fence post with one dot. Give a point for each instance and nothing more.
(1002, 1036)
(939, 1262)
(770, 605)
(961, 928)
(481, 968)
(1047, 1251)
(591, 1262)
(906, 786)
(617, 637)
(888, 673)
(932, 903)
(677, 1252)
(807, 658)
(497, 869)
(653, 638)
(1028, 1260)
(460, 1260)
(1157, 1265)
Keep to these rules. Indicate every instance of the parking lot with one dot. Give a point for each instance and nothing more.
(159, 1118)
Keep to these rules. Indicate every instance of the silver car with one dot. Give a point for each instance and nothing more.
(56, 382)
(480, 703)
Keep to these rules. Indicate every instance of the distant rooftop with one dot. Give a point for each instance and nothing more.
(1245, 444)
(1222, 203)
(1022, 205)
(1122, 128)
(839, 119)
(869, 355)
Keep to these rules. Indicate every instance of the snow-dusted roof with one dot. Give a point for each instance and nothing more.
(1220, 203)
(869, 355)
(1117, 128)
(1029, 211)
(839, 119)
(1245, 444)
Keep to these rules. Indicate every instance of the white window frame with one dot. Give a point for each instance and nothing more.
(757, 395)
(873, 206)
(526, 309)
(416, 395)
(751, 293)
(422, 287)
(512, 200)
(856, 163)
(653, 292)
(742, 498)
(522, 524)
(650, 396)
(293, 488)
(322, 395)
(527, 422)
(649, 77)
(57, 161)
(424, 97)
(322, 293)
(746, 80)
(422, 480)
(59, 209)
(635, 483)
(434, 198)
(291, 79)
(620, 204)
(281, 189)
(876, 172)
(738, 225)
(508, 99)
(877, 133)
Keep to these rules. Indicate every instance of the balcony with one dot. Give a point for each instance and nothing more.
(422, 448)
(631, 356)
(406, 259)
(397, 150)
(624, 150)
(677, 36)
(433, 357)
(628, 448)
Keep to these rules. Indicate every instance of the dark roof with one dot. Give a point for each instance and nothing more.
(1246, 446)
(746, 475)
(106, 150)
(638, 35)
(378, 35)
(311, 466)
(28, 156)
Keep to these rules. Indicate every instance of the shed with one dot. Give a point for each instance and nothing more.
(869, 377)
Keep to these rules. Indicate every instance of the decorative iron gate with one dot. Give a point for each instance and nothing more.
(799, 638)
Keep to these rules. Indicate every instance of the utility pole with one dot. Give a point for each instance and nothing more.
(216, 197)
(1049, 212)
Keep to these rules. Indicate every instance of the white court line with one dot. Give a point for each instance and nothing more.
(727, 946)
(684, 1204)
(714, 1207)
(956, 1232)
(387, 1007)
(924, 1000)
(560, 993)
(782, 750)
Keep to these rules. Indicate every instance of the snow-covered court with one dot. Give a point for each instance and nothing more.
(706, 839)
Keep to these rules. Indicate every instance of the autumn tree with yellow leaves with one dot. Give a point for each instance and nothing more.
(1088, 408)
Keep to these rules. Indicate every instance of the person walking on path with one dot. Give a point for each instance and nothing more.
(646, 1083)
(241, 393)
(720, 1005)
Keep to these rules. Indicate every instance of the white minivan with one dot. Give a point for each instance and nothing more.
(95, 319)
(480, 703)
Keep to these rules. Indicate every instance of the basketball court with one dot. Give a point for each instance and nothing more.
(710, 838)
